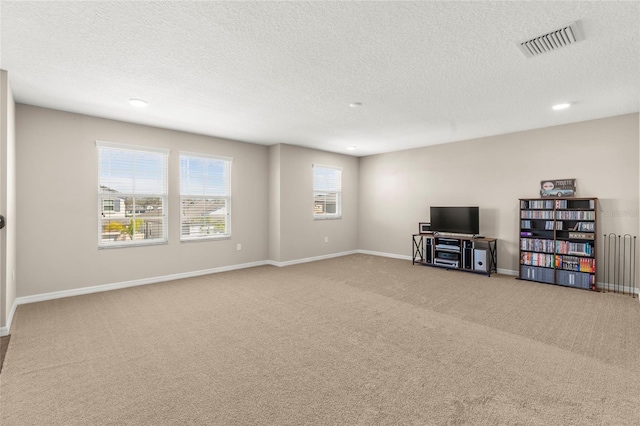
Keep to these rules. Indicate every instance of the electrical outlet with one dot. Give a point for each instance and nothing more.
(326, 239)
(239, 246)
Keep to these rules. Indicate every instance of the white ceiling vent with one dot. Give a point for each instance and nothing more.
(553, 40)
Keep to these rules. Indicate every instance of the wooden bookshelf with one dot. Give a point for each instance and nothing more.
(558, 241)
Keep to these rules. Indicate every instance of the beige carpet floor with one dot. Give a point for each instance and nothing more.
(356, 340)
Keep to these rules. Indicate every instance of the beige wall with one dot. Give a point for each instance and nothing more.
(272, 211)
(397, 189)
(57, 204)
(384, 196)
(7, 202)
(300, 235)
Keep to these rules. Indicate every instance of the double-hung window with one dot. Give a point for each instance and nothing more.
(132, 195)
(327, 192)
(205, 197)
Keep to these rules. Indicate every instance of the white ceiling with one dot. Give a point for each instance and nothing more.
(285, 72)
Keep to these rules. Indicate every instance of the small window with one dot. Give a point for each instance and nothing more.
(133, 195)
(327, 192)
(205, 197)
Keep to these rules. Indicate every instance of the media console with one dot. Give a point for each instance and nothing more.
(479, 255)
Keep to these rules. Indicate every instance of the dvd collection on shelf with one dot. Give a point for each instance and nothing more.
(558, 241)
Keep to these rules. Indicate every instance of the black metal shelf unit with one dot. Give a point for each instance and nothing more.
(479, 255)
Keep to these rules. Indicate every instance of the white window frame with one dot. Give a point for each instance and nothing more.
(324, 187)
(164, 196)
(204, 196)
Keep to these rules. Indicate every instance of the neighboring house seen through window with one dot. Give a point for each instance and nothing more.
(327, 192)
(205, 196)
(133, 195)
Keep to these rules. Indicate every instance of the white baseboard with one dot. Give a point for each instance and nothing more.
(153, 280)
(382, 254)
(311, 259)
(508, 272)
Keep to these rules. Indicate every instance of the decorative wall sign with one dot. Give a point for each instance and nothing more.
(558, 188)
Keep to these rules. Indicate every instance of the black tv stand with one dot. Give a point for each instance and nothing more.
(471, 254)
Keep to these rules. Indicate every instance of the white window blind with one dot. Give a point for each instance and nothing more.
(132, 195)
(327, 192)
(205, 196)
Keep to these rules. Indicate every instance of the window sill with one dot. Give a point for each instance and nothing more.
(198, 240)
(327, 217)
(145, 244)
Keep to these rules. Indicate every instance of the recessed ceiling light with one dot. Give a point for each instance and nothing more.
(561, 106)
(355, 104)
(351, 148)
(138, 103)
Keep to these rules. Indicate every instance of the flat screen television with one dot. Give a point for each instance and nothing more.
(456, 220)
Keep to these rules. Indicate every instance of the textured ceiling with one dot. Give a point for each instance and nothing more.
(285, 72)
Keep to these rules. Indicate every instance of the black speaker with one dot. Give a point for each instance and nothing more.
(428, 249)
(467, 255)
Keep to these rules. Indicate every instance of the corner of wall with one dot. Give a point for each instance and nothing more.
(6, 329)
(7, 203)
(274, 203)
